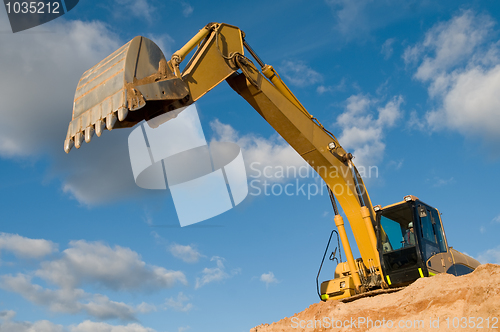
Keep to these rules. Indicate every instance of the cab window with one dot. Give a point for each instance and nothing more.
(426, 229)
(395, 229)
(438, 230)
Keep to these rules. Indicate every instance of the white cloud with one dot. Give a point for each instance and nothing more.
(331, 88)
(7, 314)
(260, 154)
(88, 326)
(67, 300)
(102, 308)
(24, 247)
(415, 122)
(268, 278)
(362, 132)
(439, 182)
(450, 43)
(187, 9)
(351, 16)
(187, 253)
(100, 172)
(139, 8)
(46, 67)
(214, 274)
(396, 164)
(387, 49)
(149, 221)
(490, 256)
(179, 303)
(115, 268)
(57, 300)
(496, 219)
(411, 54)
(461, 65)
(299, 74)
(7, 325)
(322, 89)
(356, 19)
(38, 326)
(183, 328)
(93, 264)
(145, 308)
(471, 104)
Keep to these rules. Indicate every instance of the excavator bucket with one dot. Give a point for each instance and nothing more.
(130, 85)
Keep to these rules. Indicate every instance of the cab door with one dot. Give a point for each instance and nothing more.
(431, 236)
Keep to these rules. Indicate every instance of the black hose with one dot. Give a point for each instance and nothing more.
(322, 261)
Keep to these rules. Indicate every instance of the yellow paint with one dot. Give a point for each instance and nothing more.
(420, 271)
(210, 68)
(365, 214)
(339, 222)
(431, 274)
(325, 297)
(190, 45)
(273, 76)
(388, 280)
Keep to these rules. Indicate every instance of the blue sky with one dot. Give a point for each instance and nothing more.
(410, 88)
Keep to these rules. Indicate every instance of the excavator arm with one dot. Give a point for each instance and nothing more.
(136, 82)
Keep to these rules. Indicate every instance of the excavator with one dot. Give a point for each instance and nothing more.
(398, 243)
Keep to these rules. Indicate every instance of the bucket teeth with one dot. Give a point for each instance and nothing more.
(89, 132)
(78, 140)
(68, 144)
(112, 93)
(122, 113)
(99, 127)
(110, 121)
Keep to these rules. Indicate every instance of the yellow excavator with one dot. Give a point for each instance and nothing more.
(398, 243)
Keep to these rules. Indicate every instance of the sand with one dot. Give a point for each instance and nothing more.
(440, 303)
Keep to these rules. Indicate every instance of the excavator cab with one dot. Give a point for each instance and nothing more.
(412, 243)
(399, 244)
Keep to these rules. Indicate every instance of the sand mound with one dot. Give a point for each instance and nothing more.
(440, 303)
